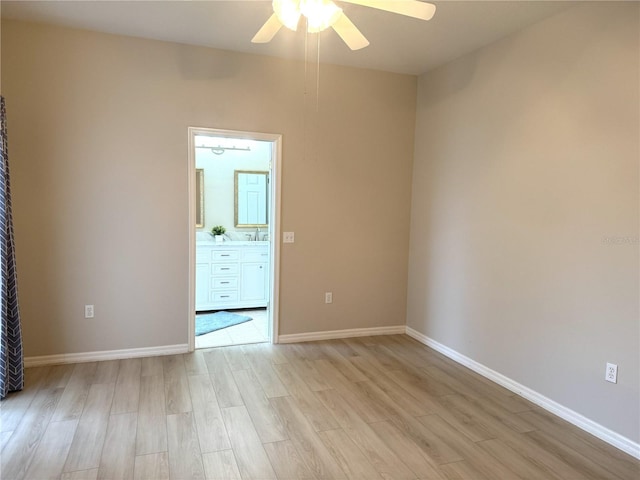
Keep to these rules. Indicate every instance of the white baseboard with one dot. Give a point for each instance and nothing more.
(332, 334)
(105, 355)
(623, 443)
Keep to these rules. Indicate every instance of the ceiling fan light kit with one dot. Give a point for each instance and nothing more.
(323, 14)
(288, 13)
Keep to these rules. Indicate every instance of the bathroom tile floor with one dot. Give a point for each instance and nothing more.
(254, 331)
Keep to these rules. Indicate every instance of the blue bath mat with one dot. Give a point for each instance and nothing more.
(210, 322)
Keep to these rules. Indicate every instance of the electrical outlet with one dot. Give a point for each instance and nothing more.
(288, 237)
(88, 311)
(612, 373)
(328, 297)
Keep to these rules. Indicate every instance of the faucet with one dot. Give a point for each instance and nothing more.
(257, 234)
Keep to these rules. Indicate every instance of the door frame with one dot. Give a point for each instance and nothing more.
(274, 223)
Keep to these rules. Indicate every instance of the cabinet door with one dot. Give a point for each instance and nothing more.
(202, 285)
(254, 285)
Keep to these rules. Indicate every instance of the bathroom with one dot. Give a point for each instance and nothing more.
(233, 277)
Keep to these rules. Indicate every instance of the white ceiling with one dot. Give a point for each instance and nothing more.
(398, 44)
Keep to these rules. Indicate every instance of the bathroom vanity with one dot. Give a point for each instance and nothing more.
(232, 275)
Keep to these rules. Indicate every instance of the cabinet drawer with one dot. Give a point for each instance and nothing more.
(224, 269)
(225, 256)
(258, 257)
(223, 283)
(224, 297)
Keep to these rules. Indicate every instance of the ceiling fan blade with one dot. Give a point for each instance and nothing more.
(410, 8)
(268, 30)
(349, 33)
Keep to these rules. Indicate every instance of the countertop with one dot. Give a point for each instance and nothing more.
(231, 244)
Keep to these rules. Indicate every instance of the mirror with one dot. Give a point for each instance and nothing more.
(199, 197)
(251, 203)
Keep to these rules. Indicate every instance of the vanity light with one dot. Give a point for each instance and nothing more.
(219, 150)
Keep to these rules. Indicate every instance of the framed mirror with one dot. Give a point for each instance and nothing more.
(251, 204)
(199, 197)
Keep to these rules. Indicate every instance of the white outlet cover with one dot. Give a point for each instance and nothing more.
(288, 237)
(611, 375)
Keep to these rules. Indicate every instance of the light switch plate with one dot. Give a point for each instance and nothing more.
(288, 237)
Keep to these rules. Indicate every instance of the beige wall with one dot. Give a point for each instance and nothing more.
(526, 164)
(98, 148)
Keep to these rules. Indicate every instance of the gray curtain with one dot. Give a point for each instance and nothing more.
(11, 360)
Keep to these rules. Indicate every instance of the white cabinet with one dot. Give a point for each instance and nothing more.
(202, 282)
(232, 276)
(254, 282)
(254, 275)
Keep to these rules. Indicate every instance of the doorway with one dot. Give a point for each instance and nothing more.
(234, 211)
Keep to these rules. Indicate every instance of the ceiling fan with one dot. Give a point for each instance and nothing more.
(322, 14)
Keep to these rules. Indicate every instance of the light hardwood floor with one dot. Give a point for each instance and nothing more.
(365, 408)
